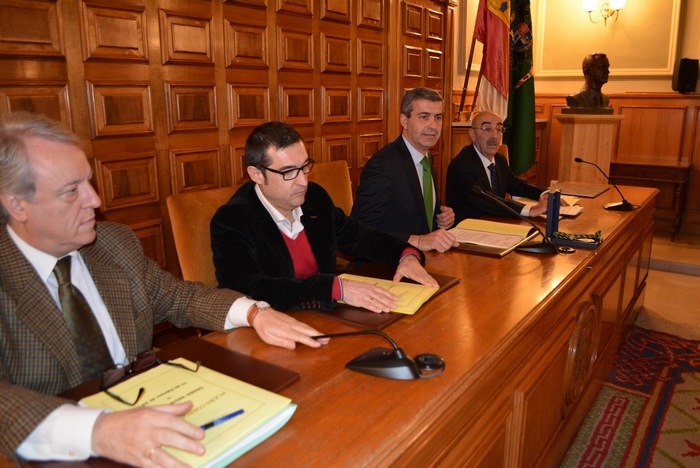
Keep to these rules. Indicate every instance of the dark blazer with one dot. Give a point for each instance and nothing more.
(389, 196)
(466, 170)
(37, 356)
(251, 256)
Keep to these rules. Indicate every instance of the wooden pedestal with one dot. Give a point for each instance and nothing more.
(589, 137)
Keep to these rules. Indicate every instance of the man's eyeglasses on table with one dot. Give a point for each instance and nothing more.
(291, 174)
(491, 129)
(143, 361)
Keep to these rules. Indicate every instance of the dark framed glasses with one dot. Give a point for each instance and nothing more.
(291, 174)
(143, 361)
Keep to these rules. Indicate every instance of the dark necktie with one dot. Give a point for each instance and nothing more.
(87, 335)
(494, 179)
(428, 191)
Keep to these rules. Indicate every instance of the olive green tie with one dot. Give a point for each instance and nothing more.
(428, 191)
(87, 335)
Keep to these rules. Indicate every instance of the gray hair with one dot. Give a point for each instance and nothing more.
(417, 94)
(16, 174)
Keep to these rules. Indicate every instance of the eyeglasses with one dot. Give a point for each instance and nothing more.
(291, 174)
(143, 361)
(491, 129)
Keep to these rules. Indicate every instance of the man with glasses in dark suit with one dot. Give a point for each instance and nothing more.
(482, 165)
(278, 237)
(78, 296)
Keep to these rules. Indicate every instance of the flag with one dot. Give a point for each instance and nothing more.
(492, 30)
(520, 124)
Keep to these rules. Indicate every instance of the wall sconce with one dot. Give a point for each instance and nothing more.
(606, 9)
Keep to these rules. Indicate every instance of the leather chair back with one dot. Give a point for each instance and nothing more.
(190, 215)
(334, 176)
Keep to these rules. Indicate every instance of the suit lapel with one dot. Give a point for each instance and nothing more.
(479, 169)
(269, 230)
(113, 285)
(36, 309)
(411, 175)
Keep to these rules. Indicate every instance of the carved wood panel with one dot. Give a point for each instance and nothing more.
(30, 29)
(47, 100)
(165, 92)
(114, 33)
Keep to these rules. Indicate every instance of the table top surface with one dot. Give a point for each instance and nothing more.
(469, 325)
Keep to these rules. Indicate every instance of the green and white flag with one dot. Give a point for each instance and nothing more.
(520, 123)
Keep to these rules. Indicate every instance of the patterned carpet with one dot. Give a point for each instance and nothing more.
(647, 413)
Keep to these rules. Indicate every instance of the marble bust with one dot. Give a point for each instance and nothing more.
(590, 99)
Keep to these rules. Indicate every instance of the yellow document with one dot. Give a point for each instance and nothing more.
(489, 233)
(411, 295)
(213, 395)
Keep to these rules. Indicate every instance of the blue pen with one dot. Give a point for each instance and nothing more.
(216, 422)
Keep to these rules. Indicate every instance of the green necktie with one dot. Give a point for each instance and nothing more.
(428, 191)
(87, 335)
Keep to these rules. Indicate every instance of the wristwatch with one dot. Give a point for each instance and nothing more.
(254, 309)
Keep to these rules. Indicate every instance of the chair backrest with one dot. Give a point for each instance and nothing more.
(190, 215)
(334, 176)
(503, 149)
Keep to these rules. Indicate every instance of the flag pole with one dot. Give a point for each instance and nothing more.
(476, 94)
(466, 78)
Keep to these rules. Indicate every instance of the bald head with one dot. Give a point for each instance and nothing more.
(486, 133)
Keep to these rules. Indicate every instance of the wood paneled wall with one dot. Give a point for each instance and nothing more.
(655, 127)
(163, 93)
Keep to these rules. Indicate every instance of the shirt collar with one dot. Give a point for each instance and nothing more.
(283, 224)
(416, 155)
(484, 160)
(42, 262)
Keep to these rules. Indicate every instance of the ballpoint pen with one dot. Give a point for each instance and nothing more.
(216, 422)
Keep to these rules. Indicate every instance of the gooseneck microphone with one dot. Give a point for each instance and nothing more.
(624, 205)
(391, 364)
(545, 247)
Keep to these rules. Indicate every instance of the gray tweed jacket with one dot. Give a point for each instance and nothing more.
(37, 355)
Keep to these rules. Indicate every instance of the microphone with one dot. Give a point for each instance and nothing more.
(624, 205)
(391, 364)
(545, 247)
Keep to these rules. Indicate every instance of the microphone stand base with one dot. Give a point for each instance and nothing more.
(538, 247)
(619, 206)
(387, 363)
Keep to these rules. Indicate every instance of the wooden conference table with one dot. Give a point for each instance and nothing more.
(527, 340)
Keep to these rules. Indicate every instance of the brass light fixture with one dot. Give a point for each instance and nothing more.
(607, 9)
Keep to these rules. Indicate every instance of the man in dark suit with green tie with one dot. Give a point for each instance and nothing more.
(398, 192)
(73, 289)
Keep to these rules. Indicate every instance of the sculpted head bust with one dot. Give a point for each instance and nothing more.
(590, 99)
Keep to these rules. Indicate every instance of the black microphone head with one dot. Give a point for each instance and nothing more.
(578, 160)
(476, 189)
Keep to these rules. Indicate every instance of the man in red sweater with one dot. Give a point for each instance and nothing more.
(278, 237)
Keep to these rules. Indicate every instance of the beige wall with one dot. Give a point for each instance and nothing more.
(643, 45)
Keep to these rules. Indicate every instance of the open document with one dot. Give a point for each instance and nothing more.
(411, 295)
(258, 413)
(489, 233)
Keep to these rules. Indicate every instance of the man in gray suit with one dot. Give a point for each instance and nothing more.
(47, 212)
